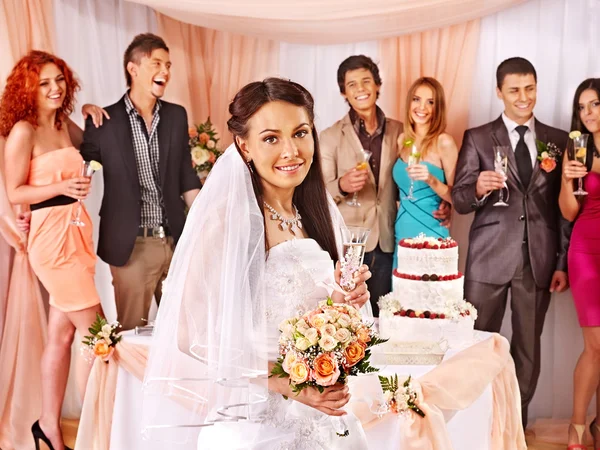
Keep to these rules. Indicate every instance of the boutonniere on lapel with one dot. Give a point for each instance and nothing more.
(548, 154)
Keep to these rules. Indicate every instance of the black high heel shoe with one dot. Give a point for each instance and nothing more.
(595, 431)
(38, 434)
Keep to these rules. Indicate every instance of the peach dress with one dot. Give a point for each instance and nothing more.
(61, 254)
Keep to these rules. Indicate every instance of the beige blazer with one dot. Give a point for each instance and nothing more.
(340, 152)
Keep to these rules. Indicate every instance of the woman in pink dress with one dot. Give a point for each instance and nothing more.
(584, 258)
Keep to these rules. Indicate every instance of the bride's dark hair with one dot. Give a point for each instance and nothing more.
(311, 196)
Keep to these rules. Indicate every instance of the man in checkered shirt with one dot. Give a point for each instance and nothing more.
(148, 179)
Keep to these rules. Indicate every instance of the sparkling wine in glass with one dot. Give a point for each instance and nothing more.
(501, 167)
(580, 154)
(413, 158)
(86, 171)
(362, 165)
(354, 241)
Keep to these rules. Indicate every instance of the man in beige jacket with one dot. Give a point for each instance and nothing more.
(365, 127)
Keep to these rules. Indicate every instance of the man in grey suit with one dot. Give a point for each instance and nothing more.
(521, 247)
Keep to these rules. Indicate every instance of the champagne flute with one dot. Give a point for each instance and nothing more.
(501, 167)
(354, 243)
(86, 171)
(413, 158)
(362, 165)
(580, 154)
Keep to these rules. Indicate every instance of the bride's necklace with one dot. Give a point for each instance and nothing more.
(292, 225)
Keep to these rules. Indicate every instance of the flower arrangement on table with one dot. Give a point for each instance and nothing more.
(399, 400)
(324, 346)
(102, 339)
(203, 147)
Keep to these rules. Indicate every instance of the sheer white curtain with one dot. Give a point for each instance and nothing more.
(91, 36)
(315, 67)
(560, 38)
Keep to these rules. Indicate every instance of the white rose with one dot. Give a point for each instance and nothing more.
(332, 315)
(318, 320)
(344, 320)
(301, 326)
(388, 396)
(312, 336)
(302, 344)
(544, 155)
(328, 343)
(200, 155)
(287, 331)
(328, 329)
(343, 335)
(290, 358)
(210, 144)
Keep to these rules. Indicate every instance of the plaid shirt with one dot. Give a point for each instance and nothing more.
(145, 147)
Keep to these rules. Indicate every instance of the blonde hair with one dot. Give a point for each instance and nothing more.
(438, 119)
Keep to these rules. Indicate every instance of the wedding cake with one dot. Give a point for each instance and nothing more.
(426, 303)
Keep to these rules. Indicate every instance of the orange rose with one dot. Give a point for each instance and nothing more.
(212, 158)
(326, 370)
(354, 353)
(363, 335)
(203, 138)
(192, 132)
(548, 164)
(103, 350)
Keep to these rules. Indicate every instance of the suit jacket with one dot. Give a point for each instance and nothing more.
(340, 152)
(497, 233)
(112, 145)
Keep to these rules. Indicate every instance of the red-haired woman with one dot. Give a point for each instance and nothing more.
(43, 169)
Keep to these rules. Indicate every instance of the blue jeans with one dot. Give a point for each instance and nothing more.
(380, 284)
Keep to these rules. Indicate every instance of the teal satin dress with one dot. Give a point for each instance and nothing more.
(416, 216)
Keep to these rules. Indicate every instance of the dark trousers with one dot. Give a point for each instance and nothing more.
(529, 305)
(380, 284)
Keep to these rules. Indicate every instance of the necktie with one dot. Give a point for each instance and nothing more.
(522, 156)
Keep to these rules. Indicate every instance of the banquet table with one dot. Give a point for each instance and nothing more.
(469, 429)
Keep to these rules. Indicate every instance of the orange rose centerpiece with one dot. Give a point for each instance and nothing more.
(101, 343)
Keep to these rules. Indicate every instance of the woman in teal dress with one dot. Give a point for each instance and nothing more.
(433, 176)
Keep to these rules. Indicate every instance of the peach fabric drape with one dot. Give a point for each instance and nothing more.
(96, 417)
(24, 25)
(210, 66)
(454, 385)
(23, 338)
(326, 22)
(447, 54)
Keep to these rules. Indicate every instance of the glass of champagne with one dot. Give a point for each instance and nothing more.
(362, 165)
(413, 158)
(354, 241)
(86, 171)
(501, 167)
(580, 154)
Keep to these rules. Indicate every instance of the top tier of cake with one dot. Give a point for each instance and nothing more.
(427, 255)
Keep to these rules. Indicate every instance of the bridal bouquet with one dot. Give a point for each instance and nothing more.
(324, 346)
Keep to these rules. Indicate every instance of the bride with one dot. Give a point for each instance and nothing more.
(258, 247)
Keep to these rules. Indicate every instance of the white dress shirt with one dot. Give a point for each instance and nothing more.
(513, 134)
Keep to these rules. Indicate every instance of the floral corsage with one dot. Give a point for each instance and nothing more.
(548, 154)
(102, 340)
(400, 400)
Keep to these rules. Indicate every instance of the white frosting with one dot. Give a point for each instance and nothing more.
(427, 295)
(414, 261)
(405, 329)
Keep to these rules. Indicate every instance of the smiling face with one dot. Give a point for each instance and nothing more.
(422, 105)
(52, 88)
(360, 90)
(519, 94)
(280, 144)
(589, 110)
(152, 74)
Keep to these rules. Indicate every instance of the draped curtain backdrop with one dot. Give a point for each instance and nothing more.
(330, 22)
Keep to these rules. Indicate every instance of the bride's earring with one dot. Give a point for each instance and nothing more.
(248, 161)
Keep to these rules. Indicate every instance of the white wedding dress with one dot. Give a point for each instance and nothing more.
(297, 272)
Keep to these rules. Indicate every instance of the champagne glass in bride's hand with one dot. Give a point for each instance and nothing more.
(579, 154)
(87, 170)
(501, 167)
(354, 240)
(413, 158)
(362, 165)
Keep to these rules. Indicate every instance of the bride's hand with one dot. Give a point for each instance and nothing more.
(329, 402)
(360, 295)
